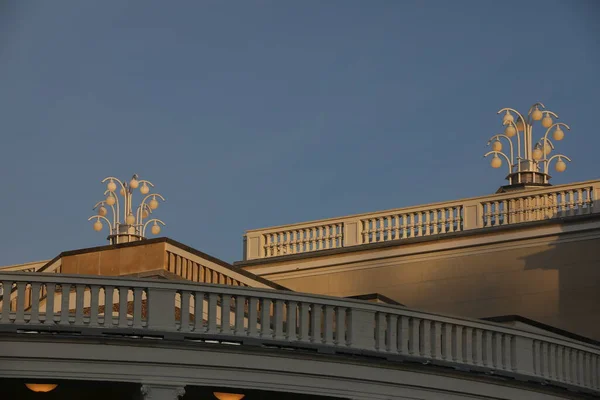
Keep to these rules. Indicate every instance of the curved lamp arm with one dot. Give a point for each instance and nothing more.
(501, 135)
(103, 202)
(502, 154)
(556, 124)
(547, 165)
(140, 212)
(115, 214)
(155, 220)
(110, 227)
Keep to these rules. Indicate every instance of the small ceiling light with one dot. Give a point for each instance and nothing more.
(228, 396)
(41, 387)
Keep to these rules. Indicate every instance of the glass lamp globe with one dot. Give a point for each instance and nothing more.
(122, 192)
(560, 166)
(536, 114)
(510, 131)
(130, 219)
(520, 125)
(155, 229)
(497, 145)
(558, 134)
(496, 162)
(134, 183)
(110, 200)
(507, 118)
(145, 213)
(111, 186)
(97, 226)
(547, 121)
(153, 203)
(537, 154)
(102, 211)
(144, 189)
(547, 149)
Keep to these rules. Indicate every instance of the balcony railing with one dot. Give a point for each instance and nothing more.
(182, 311)
(432, 219)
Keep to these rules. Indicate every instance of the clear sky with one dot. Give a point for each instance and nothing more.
(248, 114)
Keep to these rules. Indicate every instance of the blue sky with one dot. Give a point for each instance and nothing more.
(248, 114)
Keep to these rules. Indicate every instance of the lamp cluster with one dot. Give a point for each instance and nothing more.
(124, 225)
(532, 160)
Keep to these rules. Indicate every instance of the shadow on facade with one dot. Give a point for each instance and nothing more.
(574, 304)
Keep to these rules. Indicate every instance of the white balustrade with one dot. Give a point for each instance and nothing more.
(432, 219)
(55, 302)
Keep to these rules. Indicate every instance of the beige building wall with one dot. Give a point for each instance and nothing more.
(554, 279)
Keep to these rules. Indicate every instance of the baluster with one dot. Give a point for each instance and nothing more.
(580, 201)
(137, 307)
(212, 313)
(226, 314)
(320, 238)
(240, 310)
(396, 227)
(447, 341)
(436, 221)
(340, 326)
(404, 335)
(443, 220)
(412, 225)
(451, 219)
(572, 202)
(265, 318)
(404, 226)
(364, 223)
(252, 317)
(560, 363)
(388, 221)
(392, 333)
(478, 346)
(425, 338)
(64, 306)
(35, 303)
(6, 291)
(467, 347)
(50, 294)
(436, 339)
(328, 325)
(316, 323)
(380, 330)
(79, 294)
(184, 311)
(379, 233)
(108, 305)
(199, 312)
(278, 320)
(292, 313)
(457, 344)
(123, 294)
(20, 303)
(413, 336)
(327, 236)
(588, 200)
(313, 239)
(304, 322)
(339, 229)
(488, 349)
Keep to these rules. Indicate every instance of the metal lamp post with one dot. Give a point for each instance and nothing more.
(124, 224)
(528, 161)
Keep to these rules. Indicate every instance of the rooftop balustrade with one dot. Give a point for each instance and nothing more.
(432, 219)
(195, 312)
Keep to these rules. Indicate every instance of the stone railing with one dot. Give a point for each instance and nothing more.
(432, 219)
(146, 308)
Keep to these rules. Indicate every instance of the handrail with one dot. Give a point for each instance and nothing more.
(424, 220)
(295, 320)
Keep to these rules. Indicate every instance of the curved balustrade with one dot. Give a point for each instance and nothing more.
(141, 308)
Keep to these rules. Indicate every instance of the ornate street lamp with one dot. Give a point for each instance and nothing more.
(132, 226)
(530, 165)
